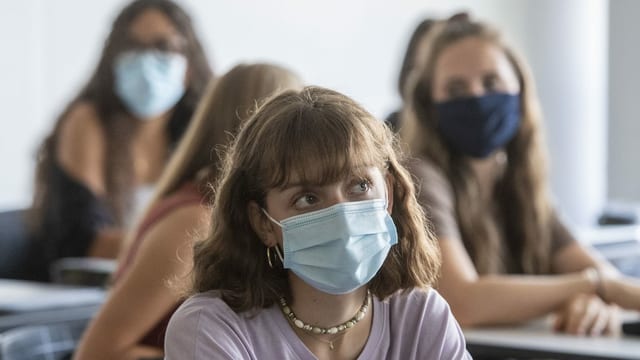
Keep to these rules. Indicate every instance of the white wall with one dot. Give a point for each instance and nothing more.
(566, 44)
(353, 46)
(624, 122)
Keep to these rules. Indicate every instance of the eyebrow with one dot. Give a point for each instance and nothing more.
(303, 184)
(296, 184)
(455, 80)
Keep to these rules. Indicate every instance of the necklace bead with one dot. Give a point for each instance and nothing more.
(289, 314)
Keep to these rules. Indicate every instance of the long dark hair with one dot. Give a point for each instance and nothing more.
(522, 193)
(118, 125)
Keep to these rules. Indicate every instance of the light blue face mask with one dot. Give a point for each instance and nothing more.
(340, 248)
(149, 82)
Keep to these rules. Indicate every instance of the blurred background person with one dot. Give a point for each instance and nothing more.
(474, 122)
(132, 322)
(116, 135)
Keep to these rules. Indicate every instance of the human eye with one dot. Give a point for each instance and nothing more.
(305, 201)
(163, 45)
(173, 45)
(492, 83)
(456, 89)
(360, 187)
(131, 44)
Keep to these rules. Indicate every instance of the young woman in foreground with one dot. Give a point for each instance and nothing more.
(318, 248)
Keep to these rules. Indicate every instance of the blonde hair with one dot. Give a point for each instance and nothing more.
(320, 135)
(227, 102)
(523, 190)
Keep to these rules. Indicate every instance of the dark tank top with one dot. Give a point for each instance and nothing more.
(71, 218)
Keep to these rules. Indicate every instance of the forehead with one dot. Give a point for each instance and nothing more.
(471, 57)
(152, 24)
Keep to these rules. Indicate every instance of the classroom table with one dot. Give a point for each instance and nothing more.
(31, 303)
(537, 340)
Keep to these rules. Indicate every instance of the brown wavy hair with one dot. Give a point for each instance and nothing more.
(522, 192)
(321, 135)
(118, 125)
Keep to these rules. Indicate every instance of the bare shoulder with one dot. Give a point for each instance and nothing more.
(81, 119)
(176, 231)
(81, 146)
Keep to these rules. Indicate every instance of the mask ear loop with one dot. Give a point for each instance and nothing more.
(270, 218)
(386, 190)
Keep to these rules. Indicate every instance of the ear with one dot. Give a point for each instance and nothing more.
(261, 225)
(390, 180)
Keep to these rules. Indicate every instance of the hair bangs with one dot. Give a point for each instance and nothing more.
(320, 148)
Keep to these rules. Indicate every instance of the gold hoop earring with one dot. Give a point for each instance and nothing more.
(278, 255)
(269, 258)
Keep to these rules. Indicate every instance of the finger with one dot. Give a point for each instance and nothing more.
(559, 321)
(600, 323)
(592, 310)
(614, 325)
(575, 314)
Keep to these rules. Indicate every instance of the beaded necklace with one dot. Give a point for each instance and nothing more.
(317, 330)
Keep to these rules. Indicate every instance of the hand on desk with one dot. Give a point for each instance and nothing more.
(587, 314)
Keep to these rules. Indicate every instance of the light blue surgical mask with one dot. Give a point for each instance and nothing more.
(149, 82)
(340, 248)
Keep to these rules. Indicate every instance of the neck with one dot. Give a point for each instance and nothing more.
(324, 310)
(488, 171)
(150, 149)
(318, 308)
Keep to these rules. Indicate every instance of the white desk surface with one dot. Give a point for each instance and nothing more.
(539, 337)
(23, 296)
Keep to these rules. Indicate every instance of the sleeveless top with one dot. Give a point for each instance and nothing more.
(71, 218)
(73, 215)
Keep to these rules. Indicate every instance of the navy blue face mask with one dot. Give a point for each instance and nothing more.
(477, 126)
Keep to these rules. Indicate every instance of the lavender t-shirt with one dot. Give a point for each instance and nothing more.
(416, 325)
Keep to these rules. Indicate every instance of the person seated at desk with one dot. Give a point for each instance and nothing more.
(317, 248)
(133, 320)
(474, 124)
(114, 138)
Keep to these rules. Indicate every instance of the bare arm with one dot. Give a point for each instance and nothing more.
(575, 257)
(107, 243)
(616, 288)
(502, 299)
(143, 296)
(623, 291)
